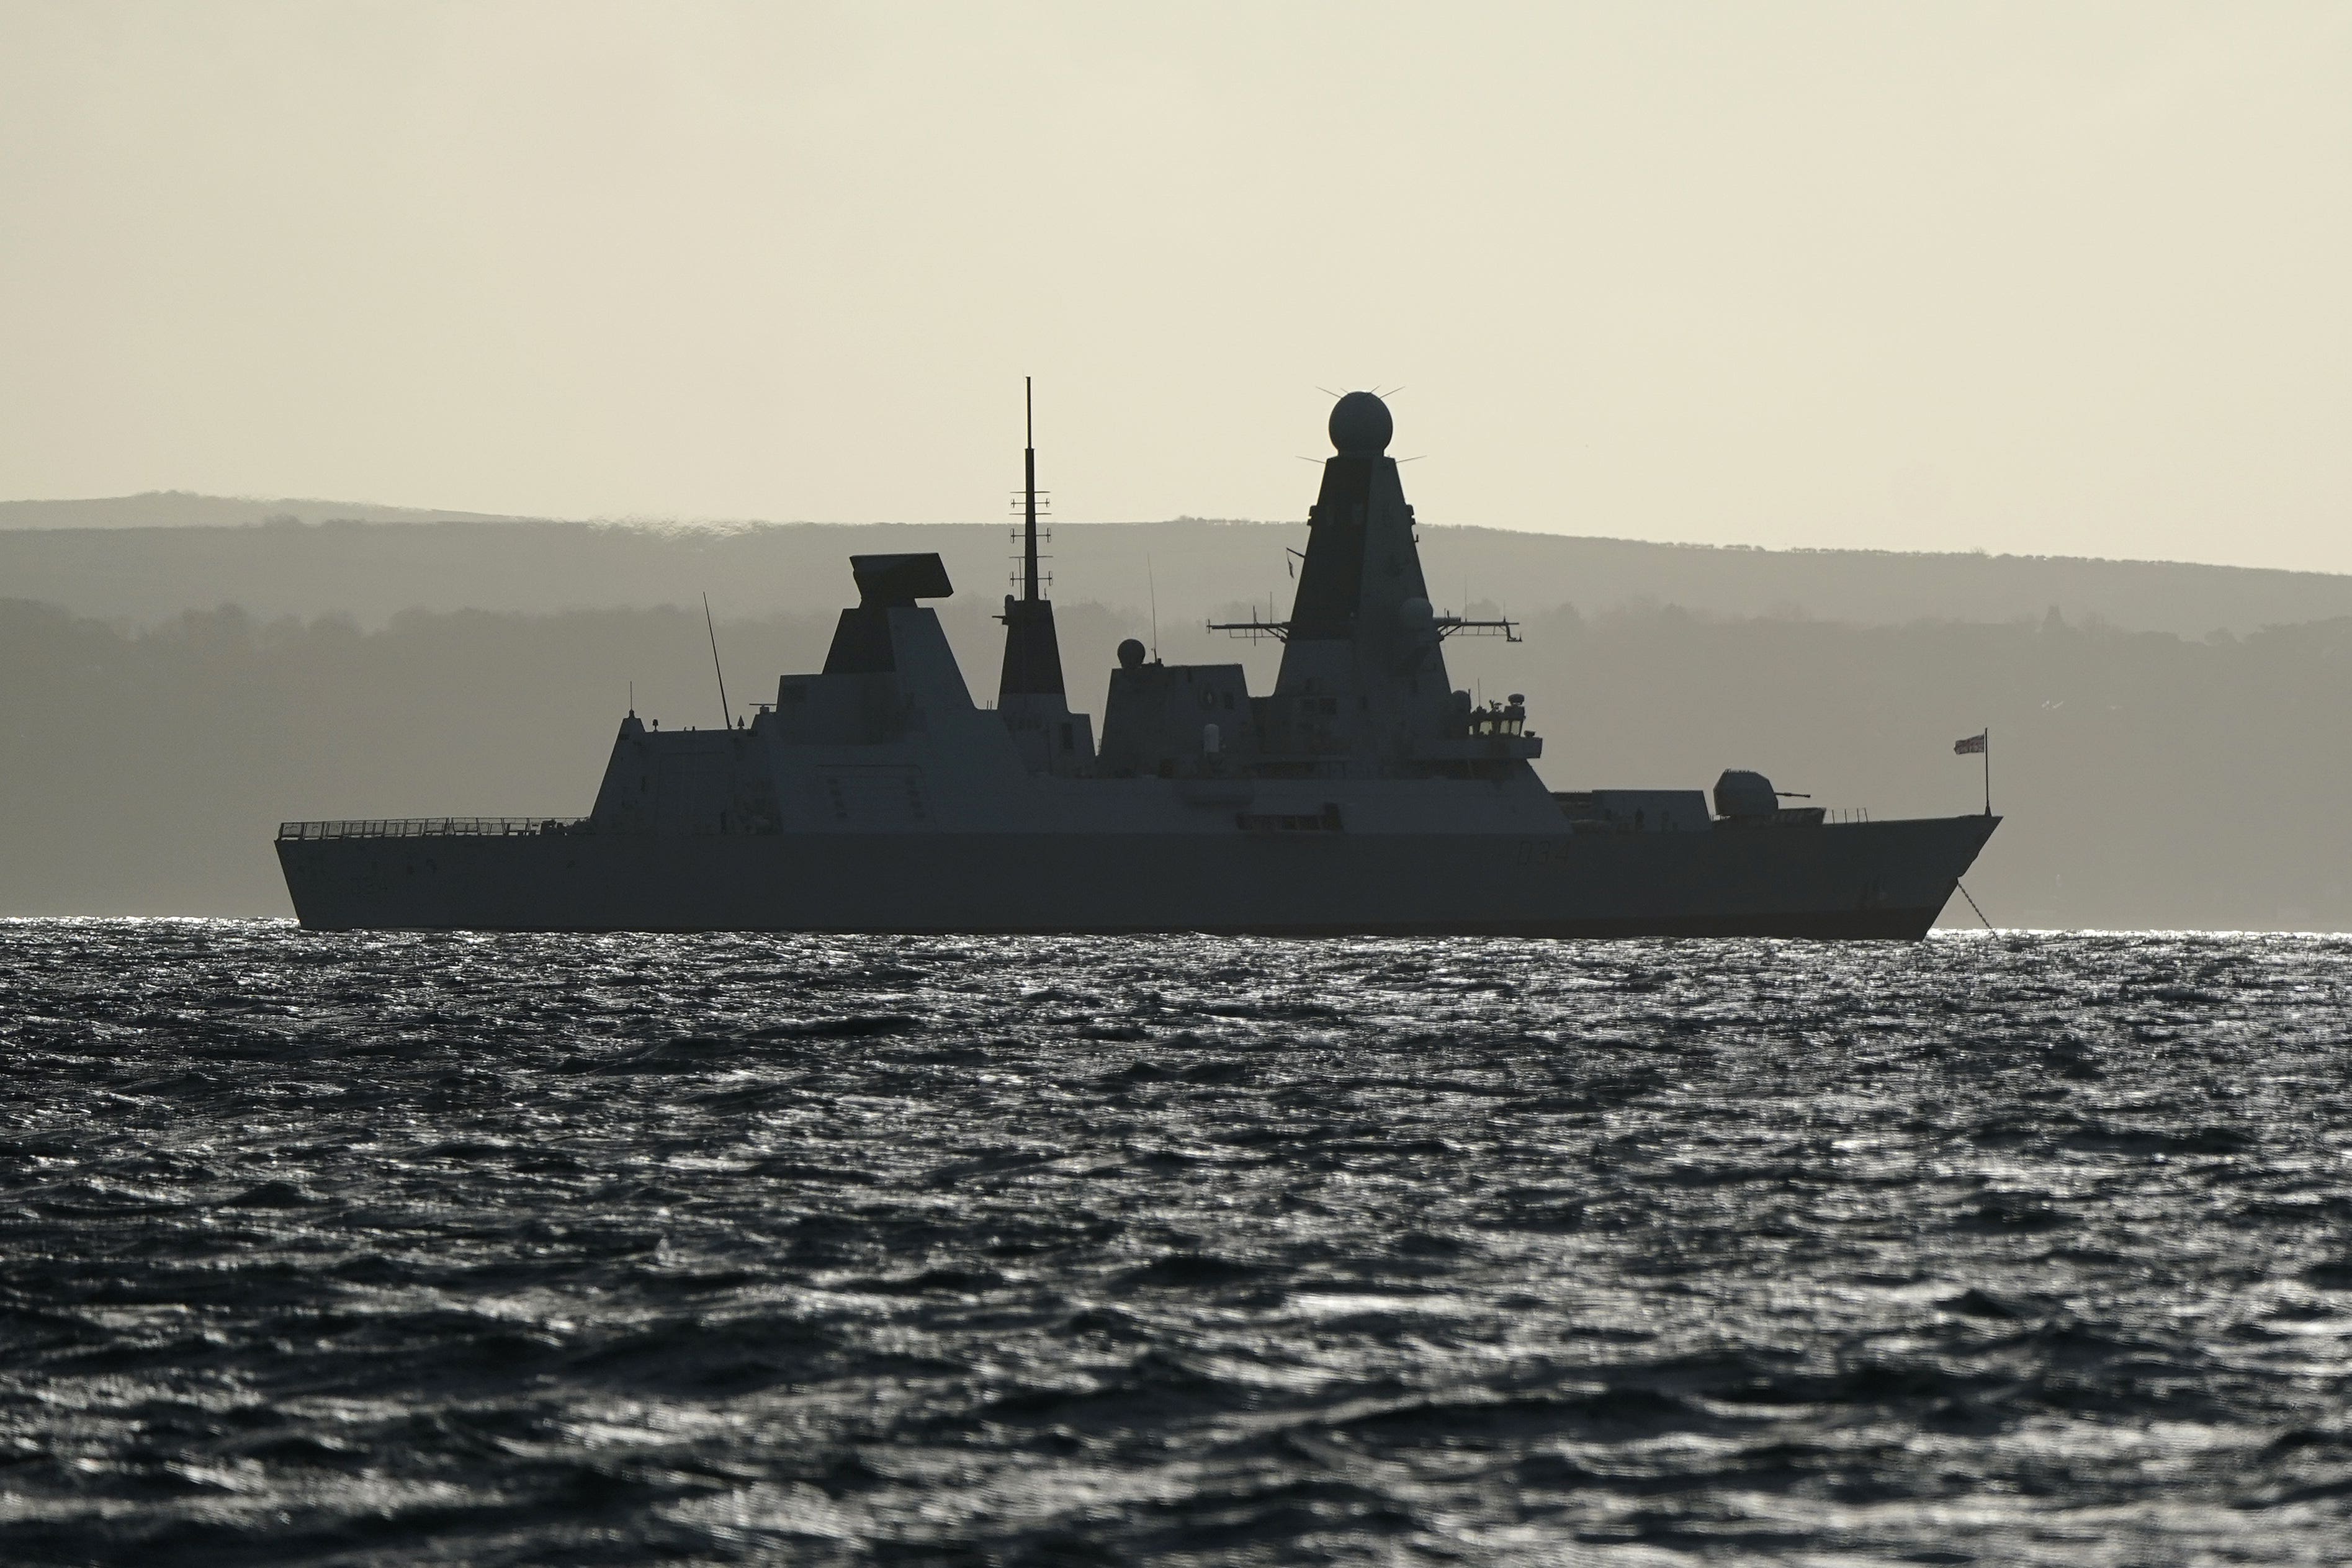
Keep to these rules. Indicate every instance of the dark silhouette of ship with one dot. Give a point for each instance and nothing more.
(1363, 795)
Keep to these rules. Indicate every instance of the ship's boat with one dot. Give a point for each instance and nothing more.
(1364, 795)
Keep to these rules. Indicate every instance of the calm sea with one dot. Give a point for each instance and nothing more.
(474, 1250)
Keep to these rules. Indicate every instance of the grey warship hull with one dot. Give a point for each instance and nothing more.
(1849, 880)
(1364, 795)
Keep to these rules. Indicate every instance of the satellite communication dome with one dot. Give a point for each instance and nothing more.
(1360, 424)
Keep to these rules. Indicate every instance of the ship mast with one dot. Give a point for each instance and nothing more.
(1028, 496)
(1030, 689)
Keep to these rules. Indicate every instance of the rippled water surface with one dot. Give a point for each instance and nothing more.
(425, 1249)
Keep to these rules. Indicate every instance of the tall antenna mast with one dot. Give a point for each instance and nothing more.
(1032, 681)
(1028, 496)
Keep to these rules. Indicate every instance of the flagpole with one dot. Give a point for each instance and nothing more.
(1987, 767)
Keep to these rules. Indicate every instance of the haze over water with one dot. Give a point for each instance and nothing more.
(406, 1250)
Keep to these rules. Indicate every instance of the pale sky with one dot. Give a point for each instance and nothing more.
(2039, 277)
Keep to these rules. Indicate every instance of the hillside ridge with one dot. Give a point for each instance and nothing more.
(1198, 569)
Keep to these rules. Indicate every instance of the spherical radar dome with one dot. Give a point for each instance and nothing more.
(1360, 424)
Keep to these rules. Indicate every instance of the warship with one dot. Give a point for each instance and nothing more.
(1364, 795)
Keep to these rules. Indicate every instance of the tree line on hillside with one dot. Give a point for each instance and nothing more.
(2147, 779)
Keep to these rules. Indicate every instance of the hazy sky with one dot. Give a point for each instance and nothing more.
(2034, 277)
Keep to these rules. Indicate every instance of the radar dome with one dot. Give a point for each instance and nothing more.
(1130, 654)
(1360, 425)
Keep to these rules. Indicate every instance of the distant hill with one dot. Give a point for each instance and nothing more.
(370, 570)
(2170, 739)
(186, 509)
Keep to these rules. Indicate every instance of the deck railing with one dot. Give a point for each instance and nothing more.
(434, 828)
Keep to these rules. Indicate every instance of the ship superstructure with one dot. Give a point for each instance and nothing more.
(1363, 794)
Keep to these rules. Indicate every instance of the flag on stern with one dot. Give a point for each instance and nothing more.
(1973, 746)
